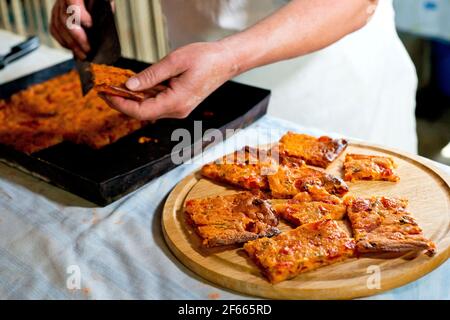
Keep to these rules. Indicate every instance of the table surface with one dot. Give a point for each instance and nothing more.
(48, 236)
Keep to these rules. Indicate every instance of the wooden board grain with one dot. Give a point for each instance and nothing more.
(427, 189)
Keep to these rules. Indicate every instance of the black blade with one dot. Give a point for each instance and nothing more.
(103, 39)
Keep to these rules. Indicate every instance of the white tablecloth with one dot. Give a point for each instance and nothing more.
(46, 234)
(39, 59)
(119, 249)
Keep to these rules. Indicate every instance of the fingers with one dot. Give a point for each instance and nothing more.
(167, 68)
(113, 5)
(74, 38)
(77, 32)
(65, 33)
(150, 109)
(78, 41)
(54, 23)
(81, 39)
(85, 17)
(166, 104)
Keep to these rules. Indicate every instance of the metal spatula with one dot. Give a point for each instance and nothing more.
(20, 50)
(103, 39)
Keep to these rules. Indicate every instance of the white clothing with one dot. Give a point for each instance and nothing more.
(362, 86)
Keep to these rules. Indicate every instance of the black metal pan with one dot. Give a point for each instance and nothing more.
(105, 175)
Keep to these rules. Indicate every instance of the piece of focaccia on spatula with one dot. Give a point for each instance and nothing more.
(111, 80)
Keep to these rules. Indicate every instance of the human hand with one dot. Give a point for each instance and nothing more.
(193, 72)
(73, 38)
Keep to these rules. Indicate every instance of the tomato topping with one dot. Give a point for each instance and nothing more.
(388, 203)
(189, 202)
(251, 182)
(324, 139)
(286, 250)
(284, 264)
(350, 244)
(361, 205)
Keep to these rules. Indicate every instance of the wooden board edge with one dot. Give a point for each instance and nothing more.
(408, 156)
(184, 186)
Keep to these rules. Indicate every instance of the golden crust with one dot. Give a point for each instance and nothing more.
(306, 248)
(310, 206)
(243, 169)
(231, 219)
(382, 225)
(284, 176)
(314, 151)
(289, 181)
(248, 168)
(54, 111)
(111, 80)
(365, 167)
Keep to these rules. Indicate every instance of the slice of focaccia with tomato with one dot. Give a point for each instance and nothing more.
(365, 167)
(382, 225)
(111, 80)
(289, 180)
(306, 248)
(314, 151)
(310, 206)
(247, 168)
(231, 219)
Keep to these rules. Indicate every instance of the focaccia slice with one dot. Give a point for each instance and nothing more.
(382, 225)
(247, 168)
(231, 219)
(310, 206)
(289, 180)
(365, 167)
(306, 248)
(314, 151)
(111, 80)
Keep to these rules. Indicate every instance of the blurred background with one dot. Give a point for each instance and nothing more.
(423, 25)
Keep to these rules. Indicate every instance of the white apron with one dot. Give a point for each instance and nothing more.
(363, 86)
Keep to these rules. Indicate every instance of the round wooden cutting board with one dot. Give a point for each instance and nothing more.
(427, 189)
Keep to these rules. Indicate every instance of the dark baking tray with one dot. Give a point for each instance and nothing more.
(105, 175)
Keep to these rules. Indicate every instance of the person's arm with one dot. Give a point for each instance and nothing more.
(300, 27)
(73, 38)
(196, 70)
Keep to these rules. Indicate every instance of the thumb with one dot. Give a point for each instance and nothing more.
(154, 75)
(85, 17)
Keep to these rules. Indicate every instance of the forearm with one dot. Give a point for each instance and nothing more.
(196, 70)
(300, 27)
